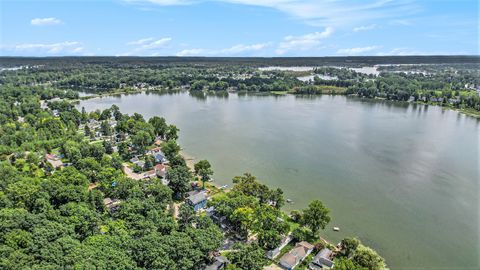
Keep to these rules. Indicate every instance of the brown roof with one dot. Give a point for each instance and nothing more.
(51, 157)
(297, 254)
(159, 167)
(289, 259)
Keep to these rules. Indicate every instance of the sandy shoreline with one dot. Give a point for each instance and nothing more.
(190, 160)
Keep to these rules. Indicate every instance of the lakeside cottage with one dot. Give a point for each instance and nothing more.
(157, 154)
(159, 158)
(323, 260)
(197, 199)
(291, 259)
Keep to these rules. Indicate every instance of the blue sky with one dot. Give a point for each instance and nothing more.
(238, 27)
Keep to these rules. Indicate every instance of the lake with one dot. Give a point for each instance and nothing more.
(402, 177)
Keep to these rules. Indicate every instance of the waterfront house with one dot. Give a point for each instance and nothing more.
(323, 260)
(197, 199)
(160, 158)
(291, 259)
(157, 154)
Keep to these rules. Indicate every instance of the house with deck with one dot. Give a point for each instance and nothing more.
(197, 199)
(291, 259)
(157, 154)
(323, 260)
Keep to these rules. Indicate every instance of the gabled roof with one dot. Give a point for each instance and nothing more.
(297, 254)
(197, 197)
(323, 258)
(288, 260)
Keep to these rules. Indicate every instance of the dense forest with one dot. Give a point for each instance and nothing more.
(107, 190)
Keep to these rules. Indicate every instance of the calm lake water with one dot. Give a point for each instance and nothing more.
(404, 178)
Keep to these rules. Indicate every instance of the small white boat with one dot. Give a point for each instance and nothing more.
(289, 201)
(336, 229)
(224, 187)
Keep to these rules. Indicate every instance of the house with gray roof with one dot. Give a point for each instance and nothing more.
(323, 260)
(197, 199)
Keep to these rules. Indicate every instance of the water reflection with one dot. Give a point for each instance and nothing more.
(398, 175)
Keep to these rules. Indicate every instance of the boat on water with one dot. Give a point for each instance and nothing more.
(289, 201)
(336, 229)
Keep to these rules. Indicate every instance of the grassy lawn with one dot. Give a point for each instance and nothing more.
(279, 92)
(214, 190)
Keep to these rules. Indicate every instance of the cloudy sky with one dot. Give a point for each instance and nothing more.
(238, 27)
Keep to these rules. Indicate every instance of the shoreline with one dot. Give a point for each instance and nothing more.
(466, 111)
(190, 160)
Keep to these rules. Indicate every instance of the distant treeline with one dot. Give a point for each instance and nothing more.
(252, 61)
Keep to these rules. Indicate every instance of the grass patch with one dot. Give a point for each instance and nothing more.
(280, 93)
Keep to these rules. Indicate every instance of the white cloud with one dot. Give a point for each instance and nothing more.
(147, 46)
(191, 52)
(320, 12)
(401, 22)
(303, 43)
(66, 47)
(140, 41)
(364, 28)
(240, 48)
(234, 50)
(156, 44)
(45, 21)
(357, 50)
